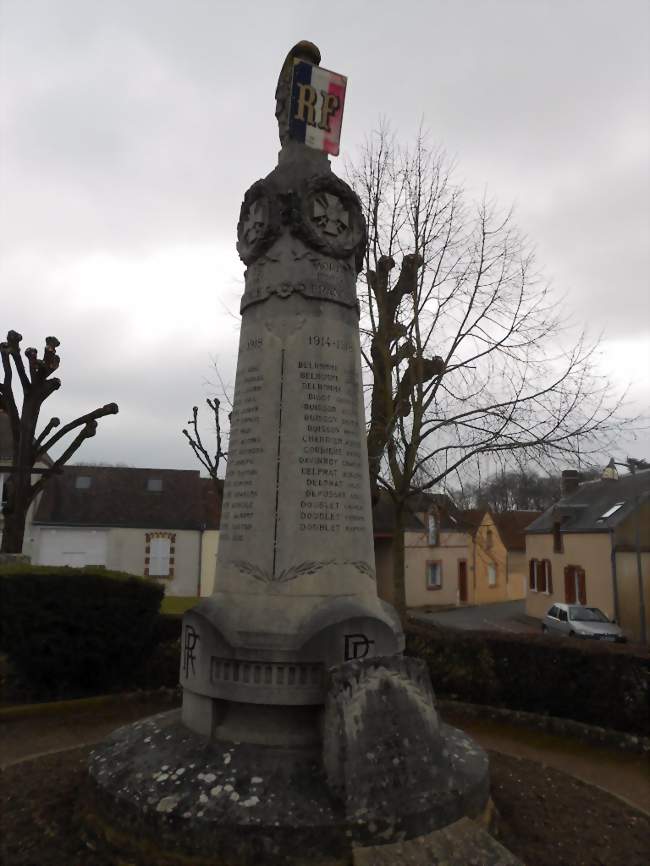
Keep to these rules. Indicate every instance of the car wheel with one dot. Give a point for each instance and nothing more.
(572, 634)
(544, 630)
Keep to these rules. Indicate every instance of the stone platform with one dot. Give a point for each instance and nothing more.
(161, 795)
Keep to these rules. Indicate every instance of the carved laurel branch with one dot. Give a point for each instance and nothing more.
(363, 567)
(294, 571)
(291, 573)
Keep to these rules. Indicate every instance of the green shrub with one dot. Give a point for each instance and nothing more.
(76, 628)
(168, 627)
(590, 682)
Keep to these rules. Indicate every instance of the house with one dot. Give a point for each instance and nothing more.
(161, 523)
(435, 550)
(497, 557)
(591, 546)
(512, 527)
(451, 556)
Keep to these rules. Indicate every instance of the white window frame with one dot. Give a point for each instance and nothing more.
(434, 569)
(159, 556)
(492, 574)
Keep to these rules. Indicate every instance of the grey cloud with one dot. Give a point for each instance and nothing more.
(128, 128)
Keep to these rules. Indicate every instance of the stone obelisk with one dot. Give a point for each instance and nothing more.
(305, 735)
(295, 589)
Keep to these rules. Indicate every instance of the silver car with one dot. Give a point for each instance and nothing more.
(580, 620)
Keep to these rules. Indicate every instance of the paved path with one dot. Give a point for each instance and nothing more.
(509, 616)
(623, 774)
(39, 735)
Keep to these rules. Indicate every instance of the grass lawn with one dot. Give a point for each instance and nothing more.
(178, 603)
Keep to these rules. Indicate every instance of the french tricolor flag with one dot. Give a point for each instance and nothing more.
(317, 99)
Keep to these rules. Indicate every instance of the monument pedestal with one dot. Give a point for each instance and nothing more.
(161, 795)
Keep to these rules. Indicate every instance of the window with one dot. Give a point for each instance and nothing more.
(492, 574)
(611, 511)
(154, 485)
(82, 482)
(562, 615)
(539, 572)
(3, 491)
(432, 527)
(575, 585)
(434, 575)
(557, 537)
(554, 612)
(548, 577)
(159, 552)
(489, 540)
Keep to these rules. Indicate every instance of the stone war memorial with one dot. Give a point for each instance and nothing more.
(305, 736)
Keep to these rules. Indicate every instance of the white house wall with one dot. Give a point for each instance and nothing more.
(77, 547)
(119, 550)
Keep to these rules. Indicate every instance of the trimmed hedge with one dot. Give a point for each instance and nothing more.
(76, 628)
(590, 682)
(168, 627)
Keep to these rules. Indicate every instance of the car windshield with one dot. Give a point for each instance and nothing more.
(587, 614)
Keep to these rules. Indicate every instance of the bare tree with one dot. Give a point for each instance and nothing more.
(465, 347)
(516, 490)
(28, 448)
(210, 462)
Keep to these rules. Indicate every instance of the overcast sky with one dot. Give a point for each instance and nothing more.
(130, 130)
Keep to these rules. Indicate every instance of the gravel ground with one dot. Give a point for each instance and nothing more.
(547, 818)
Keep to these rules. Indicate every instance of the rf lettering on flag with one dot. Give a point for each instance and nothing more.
(317, 99)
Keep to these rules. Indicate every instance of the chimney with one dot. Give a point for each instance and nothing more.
(570, 481)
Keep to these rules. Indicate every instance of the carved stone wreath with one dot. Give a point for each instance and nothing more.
(260, 222)
(328, 217)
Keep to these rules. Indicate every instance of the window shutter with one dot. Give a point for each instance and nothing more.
(569, 585)
(549, 576)
(582, 586)
(531, 574)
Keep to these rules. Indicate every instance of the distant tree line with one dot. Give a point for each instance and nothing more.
(522, 490)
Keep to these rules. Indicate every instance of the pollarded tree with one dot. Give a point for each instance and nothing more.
(465, 346)
(30, 449)
(210, 462)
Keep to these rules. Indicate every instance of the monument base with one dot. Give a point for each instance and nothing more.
(161, 794)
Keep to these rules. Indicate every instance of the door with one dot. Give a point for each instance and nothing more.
(462, 580)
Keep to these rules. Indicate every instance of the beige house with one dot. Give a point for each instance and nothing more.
(584, 549)
(453, 557)
(436, 551)
(161, 523)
